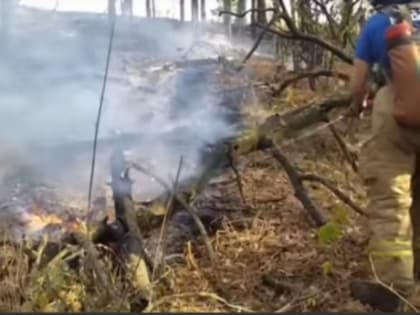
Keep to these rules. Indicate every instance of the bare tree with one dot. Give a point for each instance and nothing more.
(182, 10)
(203, 10)
(127, 7)
(227, 6)
(148, 8)
(153, 8)
(261, 16)
(111, 8)
(241, 7)
(194, 10)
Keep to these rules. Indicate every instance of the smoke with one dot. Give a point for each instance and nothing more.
(52, 69)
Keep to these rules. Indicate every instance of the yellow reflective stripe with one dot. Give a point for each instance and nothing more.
(394, 243)
(392, 253)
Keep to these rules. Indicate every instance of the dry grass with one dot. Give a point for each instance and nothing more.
(278, 244)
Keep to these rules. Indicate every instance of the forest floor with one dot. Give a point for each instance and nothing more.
(276, 261)
(280, 262)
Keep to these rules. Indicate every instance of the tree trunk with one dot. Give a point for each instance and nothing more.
(153, 8)
(203, 10)
(127, 7)
(182, 10)
(261, 16)
(253, 19)
(111, 8)
(227, 6)
(194, 10)
(241, 7)
(148, 8)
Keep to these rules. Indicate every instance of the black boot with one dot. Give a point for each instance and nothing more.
(375, 295)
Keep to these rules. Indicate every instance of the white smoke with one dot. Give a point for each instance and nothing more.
(51, 77)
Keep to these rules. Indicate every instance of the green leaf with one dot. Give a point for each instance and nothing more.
(329, 233)
(327, 268)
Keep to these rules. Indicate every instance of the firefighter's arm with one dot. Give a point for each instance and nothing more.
(358, 82)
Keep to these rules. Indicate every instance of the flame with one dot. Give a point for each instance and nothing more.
(36, 219)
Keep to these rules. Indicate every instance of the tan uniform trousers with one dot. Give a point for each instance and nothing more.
(388, 168)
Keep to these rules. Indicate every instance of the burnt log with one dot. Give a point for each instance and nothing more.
(125, 231)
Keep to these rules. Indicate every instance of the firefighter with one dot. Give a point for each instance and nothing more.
(388, 163)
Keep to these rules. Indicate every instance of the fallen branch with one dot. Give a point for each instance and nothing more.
(335, 191)
(300, 191)
(309, 75)
(138, 262)
(192, 212)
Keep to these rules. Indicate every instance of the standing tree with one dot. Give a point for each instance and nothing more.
(182, 10)
(203, 10)
(127, 7)
(227, 6)
(153, 8)
(194, 10)
(148, 8)
(111, 8)
(241, 7)
(261, 16)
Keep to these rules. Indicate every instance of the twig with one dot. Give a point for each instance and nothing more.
(237, 175)
(242, 14)
(99, 114)
(344, 148)
(208, 295)
(192, 212)
(311, 38)
(392, 290)
(260, 38)
(161, 246)
(336, 191)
